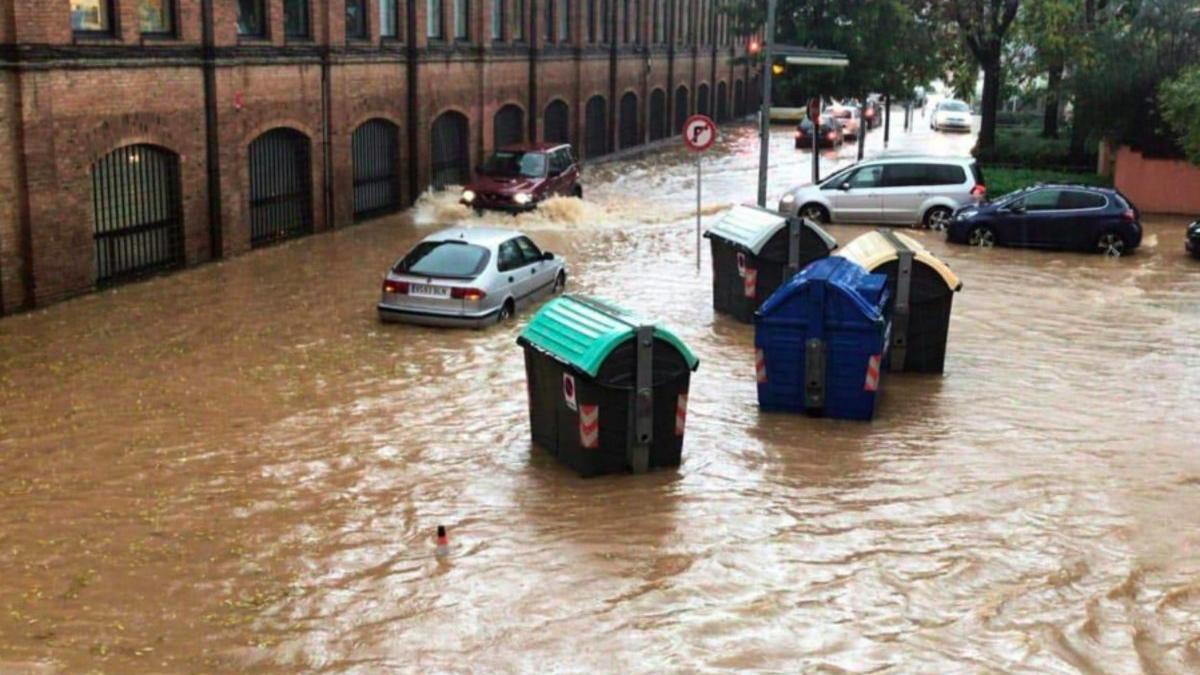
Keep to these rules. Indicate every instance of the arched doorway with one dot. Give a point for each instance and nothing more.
(450, 154)
(739, 99)
(508, 126)
(558, 123)
(755, 93)
(658, 114)
(375, 147)
(682, 110)
(629, 121)
(138, 224)
(596, 123)
(722, 102)
(702, 99)
(280, 186)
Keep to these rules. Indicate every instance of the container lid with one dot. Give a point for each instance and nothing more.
(864, 291)
(882, 246)
(752, 227)
(582, 332)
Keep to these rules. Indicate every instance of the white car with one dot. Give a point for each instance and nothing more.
(899, 190)
(849, 118)
(950, 115)
(469, 277)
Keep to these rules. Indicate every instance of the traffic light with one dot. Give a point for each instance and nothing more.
(777, 68)
(753, 47)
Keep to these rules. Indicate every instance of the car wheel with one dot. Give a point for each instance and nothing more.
(981, 236)
(577, 192)
(1111, 244)
(938, 218)
(815, 212)
(560, 283)
(506, 312)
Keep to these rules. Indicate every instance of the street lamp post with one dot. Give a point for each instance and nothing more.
(764, 113)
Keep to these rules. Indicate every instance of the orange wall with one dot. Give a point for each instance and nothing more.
(1158, 185)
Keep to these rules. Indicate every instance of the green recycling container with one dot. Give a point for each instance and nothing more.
(607, 391)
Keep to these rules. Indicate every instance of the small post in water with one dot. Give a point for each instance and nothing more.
(699, 176)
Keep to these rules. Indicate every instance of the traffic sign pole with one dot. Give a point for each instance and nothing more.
(764, 122)
(699, 133)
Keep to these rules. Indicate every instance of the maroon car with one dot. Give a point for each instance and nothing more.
(519, 177)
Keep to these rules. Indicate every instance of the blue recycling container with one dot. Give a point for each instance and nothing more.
(820, 342)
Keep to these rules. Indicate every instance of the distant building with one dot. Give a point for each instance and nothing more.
(138, 135)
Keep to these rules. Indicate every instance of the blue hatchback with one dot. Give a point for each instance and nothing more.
(1071, 217)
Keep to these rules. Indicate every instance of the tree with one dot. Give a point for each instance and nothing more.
(1180, 101)
(982, 26)
(1055, 31)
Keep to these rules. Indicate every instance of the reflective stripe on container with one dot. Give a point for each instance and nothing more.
(750, 282)
(680, 413)
(589, 426)
(760, 366)
(872, 382)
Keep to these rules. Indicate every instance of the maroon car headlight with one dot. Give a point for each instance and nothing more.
(468, 196)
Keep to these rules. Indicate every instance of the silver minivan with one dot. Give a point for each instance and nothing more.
(896, 190)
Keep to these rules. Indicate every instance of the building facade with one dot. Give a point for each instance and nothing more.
(139, 135)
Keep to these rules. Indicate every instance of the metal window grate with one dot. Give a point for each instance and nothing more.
(558, 123)
(138, 215)
(596, 136)
(451, 153)
(280, 187)
(629, 121)
(376, 148)
(658, 115)
(509, 126)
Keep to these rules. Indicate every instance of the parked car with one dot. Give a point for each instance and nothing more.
(469, 278)
(872, 113)
(1193, 239)
(830, 134)
(518, 178)
(950, 115)
(902, 190)
(849, 118)
(1072, 217)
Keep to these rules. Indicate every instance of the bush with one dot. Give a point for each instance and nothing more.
(1002, 180)
(1024, 147)
(1180, 101)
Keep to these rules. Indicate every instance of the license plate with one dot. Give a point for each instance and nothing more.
(426, 291)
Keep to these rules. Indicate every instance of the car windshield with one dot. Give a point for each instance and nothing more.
(446, 259)
(955, 106)
(511, 163)
(844, 113)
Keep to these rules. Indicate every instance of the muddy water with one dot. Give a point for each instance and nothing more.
(237, 467)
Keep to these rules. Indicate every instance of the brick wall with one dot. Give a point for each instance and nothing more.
(72, 99)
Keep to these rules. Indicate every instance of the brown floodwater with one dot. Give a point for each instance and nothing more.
(238, 467)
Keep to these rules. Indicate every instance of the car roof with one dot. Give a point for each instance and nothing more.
(481, 236)
(533, 147)
(1099, 189)
(893, 158)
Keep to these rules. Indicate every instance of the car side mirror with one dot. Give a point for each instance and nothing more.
(844, 187)
(547, 255)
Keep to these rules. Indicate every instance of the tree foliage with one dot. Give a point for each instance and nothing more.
(1180, 100)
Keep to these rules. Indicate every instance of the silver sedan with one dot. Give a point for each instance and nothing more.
(469, 277)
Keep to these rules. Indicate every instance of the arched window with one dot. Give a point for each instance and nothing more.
(658, 114)
(722, 102)
(629, 134)
(739, 99)
(451, 155)
(682, 110)
(557, 123)
(702, 99)
(376, 154)
(596, 135)
(508, 126)
(280, 186)
(138, 224)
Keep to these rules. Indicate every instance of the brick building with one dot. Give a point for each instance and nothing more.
(138, 135)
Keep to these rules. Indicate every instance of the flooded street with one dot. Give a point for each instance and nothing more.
(238, 467)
